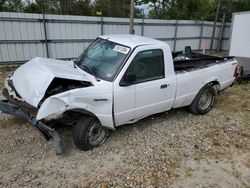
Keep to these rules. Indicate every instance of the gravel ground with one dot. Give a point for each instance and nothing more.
(172, 149)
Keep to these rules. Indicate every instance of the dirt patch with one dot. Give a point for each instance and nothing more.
(215, 173)
(172, 149)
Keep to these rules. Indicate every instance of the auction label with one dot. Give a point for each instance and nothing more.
(121, 49)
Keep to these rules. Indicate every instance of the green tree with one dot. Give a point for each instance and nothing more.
(114, 8)
(180, 9)
(228, 7)
(40, 6)
(194, 9)
(80, 7)
(2, 3)
(71, 7)
(11, 5)
(160, 9)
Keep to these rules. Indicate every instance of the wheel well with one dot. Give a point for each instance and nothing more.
(72, 116)
(216, 85)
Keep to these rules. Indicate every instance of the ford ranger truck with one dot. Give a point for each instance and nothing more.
(117, 80)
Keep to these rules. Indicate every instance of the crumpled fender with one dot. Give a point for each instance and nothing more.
(54, 106)
(51, 108)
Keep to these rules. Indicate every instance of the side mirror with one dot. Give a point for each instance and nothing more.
(128, 79)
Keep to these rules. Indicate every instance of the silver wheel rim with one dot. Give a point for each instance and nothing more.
(96, 134)
(205, 100)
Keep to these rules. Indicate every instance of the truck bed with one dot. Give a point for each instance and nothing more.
(197, 61)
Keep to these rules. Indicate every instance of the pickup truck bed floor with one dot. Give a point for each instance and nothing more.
(198, 61)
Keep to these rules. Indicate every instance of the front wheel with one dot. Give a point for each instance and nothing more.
(203, 101)
(88, 133)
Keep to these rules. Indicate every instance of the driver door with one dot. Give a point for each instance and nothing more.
(151, 92)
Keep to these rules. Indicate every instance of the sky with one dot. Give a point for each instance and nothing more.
(145, 7)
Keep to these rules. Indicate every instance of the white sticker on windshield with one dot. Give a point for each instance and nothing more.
(121, 49)
(108, 75)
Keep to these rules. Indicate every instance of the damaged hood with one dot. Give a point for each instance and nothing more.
(32, 79)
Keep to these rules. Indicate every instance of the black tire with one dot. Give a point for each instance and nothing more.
(83, 130)
(196, 107)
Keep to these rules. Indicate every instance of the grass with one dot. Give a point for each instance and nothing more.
(239, 97)
(4, 72)
(1, 84)
(189, 172)
(7, 68)
(213, 154)
(247, 162)
(236, 173)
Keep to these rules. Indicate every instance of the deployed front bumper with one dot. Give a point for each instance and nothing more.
(46, 131)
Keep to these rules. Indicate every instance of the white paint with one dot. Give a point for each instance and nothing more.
(129, 103)
(131, 40)
(240, 38)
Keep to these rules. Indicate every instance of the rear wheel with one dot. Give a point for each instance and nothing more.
(203, 101)
(88, 133)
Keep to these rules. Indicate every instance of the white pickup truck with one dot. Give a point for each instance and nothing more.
(118, 79)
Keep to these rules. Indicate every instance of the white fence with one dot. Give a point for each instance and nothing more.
(24, 36)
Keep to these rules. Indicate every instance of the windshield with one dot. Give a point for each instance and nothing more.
(103, 58)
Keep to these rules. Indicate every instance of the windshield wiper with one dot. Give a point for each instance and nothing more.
(91, 71)
(74, 63)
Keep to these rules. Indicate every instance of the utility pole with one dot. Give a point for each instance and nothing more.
(45, 31)
(142, 23)
(131, 23)
(221, 33)
(215, 22)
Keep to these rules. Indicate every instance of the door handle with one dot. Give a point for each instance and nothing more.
(164, 86)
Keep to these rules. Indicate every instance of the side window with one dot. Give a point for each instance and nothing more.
(147, 65)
